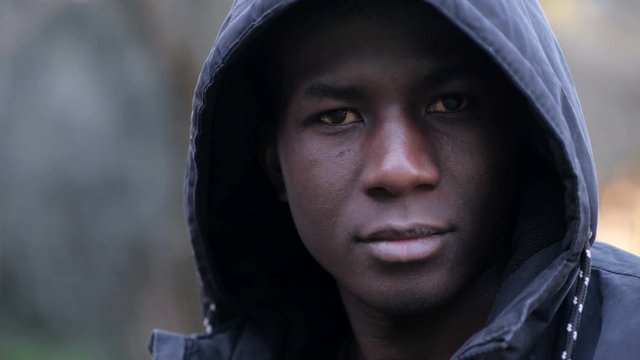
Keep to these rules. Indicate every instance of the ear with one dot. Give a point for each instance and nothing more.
(271, 166)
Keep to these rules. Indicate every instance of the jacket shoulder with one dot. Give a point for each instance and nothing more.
(610, 259)
(615, 299)
(236, 341)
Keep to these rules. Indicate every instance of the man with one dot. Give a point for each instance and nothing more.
(432, 159)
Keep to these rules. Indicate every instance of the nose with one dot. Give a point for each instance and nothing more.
(400, 158)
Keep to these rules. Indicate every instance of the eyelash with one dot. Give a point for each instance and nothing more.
(462, 99)
(356, 117)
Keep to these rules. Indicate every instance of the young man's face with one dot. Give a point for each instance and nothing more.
(395, 144)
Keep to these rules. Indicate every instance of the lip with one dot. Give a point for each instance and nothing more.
(404, 244)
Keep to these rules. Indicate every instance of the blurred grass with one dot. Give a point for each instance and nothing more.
(29, 348)
(61, 285)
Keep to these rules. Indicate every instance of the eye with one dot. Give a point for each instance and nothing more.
(448, 103)
(339, 117)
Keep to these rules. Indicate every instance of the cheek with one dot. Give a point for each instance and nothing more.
(481, 172)
(318, 183)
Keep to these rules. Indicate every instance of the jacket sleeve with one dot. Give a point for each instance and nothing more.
(235, 341)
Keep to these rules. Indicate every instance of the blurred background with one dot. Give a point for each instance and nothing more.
(94, 114)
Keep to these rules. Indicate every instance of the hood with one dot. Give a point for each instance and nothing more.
(249, 258)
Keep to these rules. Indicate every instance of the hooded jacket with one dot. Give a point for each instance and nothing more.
(561, 297)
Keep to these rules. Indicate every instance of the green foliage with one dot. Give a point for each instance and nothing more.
(22, 348)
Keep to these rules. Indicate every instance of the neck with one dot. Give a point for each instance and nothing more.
(434, 334)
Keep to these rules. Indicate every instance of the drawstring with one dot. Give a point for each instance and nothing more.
(578, 301)
(208, 318)
(574, 321)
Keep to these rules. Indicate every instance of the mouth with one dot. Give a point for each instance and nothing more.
(404, 244)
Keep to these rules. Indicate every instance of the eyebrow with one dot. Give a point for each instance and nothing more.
(325, 90)
(440, 75)
(450, 72)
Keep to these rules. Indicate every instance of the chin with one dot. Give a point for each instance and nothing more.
(421, 304)
(410, 298)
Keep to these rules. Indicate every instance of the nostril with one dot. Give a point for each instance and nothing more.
(398, 188)
(379, 192)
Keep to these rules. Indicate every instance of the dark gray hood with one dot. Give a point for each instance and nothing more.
(248, 255)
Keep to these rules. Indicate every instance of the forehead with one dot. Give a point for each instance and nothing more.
(401, 19)
(317, 35)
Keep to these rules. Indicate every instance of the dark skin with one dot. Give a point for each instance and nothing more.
(396, 149)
